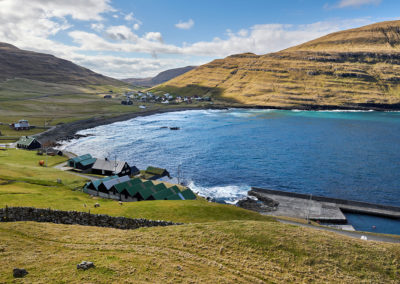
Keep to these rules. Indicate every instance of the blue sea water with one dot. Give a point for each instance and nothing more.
(222, 153)
(367, 223)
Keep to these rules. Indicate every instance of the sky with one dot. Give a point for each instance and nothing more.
(140, 38)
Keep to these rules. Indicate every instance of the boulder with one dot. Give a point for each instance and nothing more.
(84, 265)
(19, 272)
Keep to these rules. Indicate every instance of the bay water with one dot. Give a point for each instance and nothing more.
(222, 153)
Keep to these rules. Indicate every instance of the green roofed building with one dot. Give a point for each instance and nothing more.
(125, 189)
(94, 185)
(160, 187)
(29, 143)
(156, 173)
(163, 194)
(188, 194)
(83, 162)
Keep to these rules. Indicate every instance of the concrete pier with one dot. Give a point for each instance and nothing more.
(320, 208)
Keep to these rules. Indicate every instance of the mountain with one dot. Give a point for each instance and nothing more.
(352, 68)
(160, 78)
(18, 63)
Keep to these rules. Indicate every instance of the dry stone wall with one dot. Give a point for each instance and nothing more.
(13, 214)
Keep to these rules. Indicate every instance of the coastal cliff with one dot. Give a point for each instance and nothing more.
(357, 68)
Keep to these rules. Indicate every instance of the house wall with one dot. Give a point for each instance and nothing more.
(91, 191)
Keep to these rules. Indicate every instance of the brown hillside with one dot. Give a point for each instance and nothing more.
(353, 68)
(382, 37)
(18, 63)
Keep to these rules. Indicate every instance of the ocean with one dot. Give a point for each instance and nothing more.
(222, 153)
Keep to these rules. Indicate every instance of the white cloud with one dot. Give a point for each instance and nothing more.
(185, 25)
(129, 17)
(261, 39)
(98, 27)
(154, 36)
(353, 3)
(121, 33)
(32, 24)
(121, 67)
(243, 32)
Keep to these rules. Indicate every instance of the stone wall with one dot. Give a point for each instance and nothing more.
(13, 214)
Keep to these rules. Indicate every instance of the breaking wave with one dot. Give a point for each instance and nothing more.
(229, 193)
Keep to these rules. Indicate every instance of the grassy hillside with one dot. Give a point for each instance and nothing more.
(218, 243)
(353, 68)
(217, 252)
(18, 63)
(381, 37)
(22, 177)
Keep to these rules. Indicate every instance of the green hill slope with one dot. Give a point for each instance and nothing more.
(18, 63)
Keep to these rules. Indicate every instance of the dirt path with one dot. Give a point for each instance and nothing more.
(62, 167)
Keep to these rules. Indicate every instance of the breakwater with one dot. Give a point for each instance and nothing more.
(14, 214)
(322, 208)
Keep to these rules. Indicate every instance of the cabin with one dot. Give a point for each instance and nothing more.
(28, 143)
(83, 162)
(126, 189)
(134, 171)
(156, 173)
(50, 152)
(21, 125)
(54, 152)
(105, 186)
(111, 167)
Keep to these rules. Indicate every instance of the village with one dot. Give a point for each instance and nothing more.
(109, 178)
(167, 98)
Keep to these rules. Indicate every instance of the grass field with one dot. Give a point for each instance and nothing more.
(216, 252)
(25, 183)
(217, 244)
(49, 104)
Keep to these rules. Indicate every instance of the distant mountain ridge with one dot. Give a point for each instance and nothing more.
(18, 63)
(160, 78)
(356, 68)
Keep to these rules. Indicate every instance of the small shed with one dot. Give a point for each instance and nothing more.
(29, 143)
(156, 172)
(21, 125)
(54, 152)
(134, 171)
(82, 162)
(111, 167)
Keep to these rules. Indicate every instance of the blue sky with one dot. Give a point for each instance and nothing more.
(139, 38)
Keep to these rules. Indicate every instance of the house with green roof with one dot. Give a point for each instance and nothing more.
(83, 162)
(28, 143)
(136, 189)
(153, 173)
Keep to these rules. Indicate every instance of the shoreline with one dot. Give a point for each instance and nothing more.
(66, 131)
